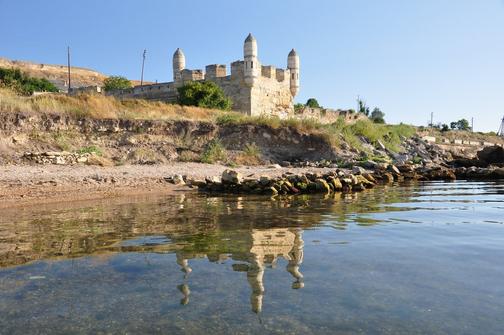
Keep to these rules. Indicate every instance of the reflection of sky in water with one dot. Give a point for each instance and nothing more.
(387, 261)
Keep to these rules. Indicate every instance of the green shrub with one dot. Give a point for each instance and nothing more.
(24, 84)
(90, 150)
(229, 118)
(252, 150)
(116, 83)
(203, 94)
(214, 152)
(377, 116)
(298, 107)
(312, 103)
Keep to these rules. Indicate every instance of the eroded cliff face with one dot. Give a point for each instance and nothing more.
(151, 141)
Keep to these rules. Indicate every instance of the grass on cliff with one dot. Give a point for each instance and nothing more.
(336, 133)
(101, 107)
(104, 107)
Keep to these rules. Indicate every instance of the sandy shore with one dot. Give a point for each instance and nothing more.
(24, 185)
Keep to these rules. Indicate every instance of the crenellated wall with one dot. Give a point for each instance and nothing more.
(254, 89)
(268, 95)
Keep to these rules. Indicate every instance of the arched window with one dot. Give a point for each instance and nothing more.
(251, 65)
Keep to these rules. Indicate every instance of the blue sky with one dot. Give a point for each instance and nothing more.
(408, 57)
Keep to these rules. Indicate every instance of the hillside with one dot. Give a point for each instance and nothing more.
(57, 74)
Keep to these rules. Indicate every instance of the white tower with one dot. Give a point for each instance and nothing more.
(252, 66)
(178, 64)
(293, 66)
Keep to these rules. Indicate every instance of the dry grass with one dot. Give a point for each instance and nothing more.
(251, 155)
(101, 107)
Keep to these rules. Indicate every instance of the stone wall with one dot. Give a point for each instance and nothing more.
(164, 92)
(326, 115)
(271, 97)
(459, 142)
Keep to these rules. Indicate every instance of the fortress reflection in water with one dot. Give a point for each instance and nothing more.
(267, 246)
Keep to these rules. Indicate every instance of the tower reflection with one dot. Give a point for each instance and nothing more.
(263, 249)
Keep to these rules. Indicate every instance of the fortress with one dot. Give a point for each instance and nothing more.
(254, 89)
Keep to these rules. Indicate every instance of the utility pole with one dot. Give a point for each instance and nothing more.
(432, 120)
(143, 64)
(472, 124)
(69, 77)
(501, 129)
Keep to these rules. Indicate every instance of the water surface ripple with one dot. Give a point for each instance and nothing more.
(410, 259)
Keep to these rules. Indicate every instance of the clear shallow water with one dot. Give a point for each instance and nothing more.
(417, 259)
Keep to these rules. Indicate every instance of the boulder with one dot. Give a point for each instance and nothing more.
(394, 169)
(270, 191)
(231, 177)
(491, 155)
(358, 170)
(322, 186)
(336, 183)
(178, 179)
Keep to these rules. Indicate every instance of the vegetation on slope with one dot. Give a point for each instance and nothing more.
(390, 136)
(99, 106)
(116, 83)
(204, 94)
(24, 84)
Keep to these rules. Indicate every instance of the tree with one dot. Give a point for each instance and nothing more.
(205, 94)
(362, 107)
(377, 116)
(461, 124)
(24, 84)
(312, 103)
(116, 83)
(444, 127)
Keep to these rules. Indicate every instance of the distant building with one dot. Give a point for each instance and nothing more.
(255, 89)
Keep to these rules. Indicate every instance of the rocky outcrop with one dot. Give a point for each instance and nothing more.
(57, 157)
(491, 155)
(335, 181)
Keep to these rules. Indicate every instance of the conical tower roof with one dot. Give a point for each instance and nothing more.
(292, 53)
(178, 53)
(250, 38)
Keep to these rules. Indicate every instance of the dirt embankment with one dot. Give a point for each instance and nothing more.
(152, 141)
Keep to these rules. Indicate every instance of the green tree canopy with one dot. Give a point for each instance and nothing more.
(461, 124)
(377, 116)
(24, 84)
(312, 103)
(205, 94)
(116, 83)
(298, 107)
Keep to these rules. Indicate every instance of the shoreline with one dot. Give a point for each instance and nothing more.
(28, 185)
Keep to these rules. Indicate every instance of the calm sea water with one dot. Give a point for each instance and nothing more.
(412, 259)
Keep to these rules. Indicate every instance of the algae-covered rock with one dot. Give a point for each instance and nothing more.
(336, 183)
(270, 191)
(322, 186)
